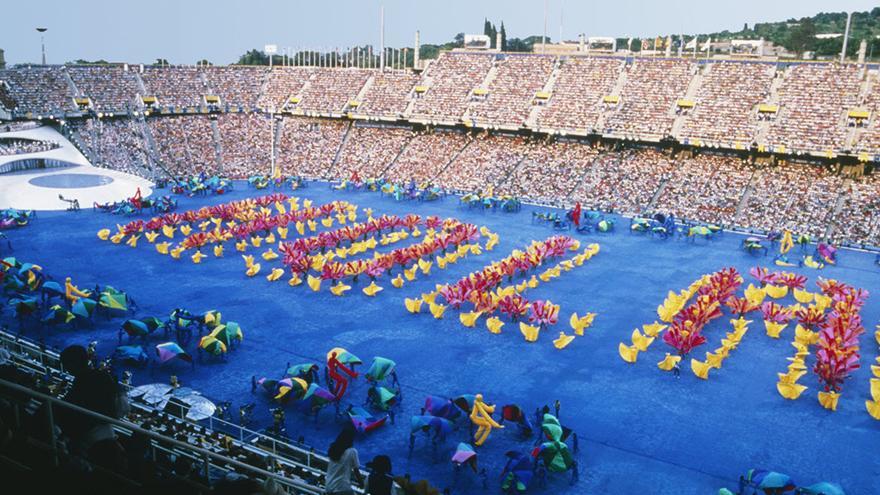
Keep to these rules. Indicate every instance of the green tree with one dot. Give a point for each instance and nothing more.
(253, 57)
(503, 37)
(162, 62)
(803, 37)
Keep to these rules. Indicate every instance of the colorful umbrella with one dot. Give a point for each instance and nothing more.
(317, 397)
(84, 307)
(171, 350)
(212, 346)
(465, 454)
(58, 315)
(290, 388)
(441, 426)
(442, 407)
(303, 370)
(112, 299)
(227, 333)
(344, 356)
(380, 369)
(135, 328)
(53, 289)
(381, 397)
(517, 472)
(464, 402)
(363, 421)
(134, 353)
(23, 306)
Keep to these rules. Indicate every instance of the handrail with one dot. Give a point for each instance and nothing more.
(204, 453)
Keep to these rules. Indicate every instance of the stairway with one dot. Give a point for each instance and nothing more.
(659, 192)
(764, 126)
(532, 119)
(338, 154)
(842, 196)
(425, 81)
(399, 153)
(452, 159)
(510, 172)
(690, 94)
(617, 90)
(71, 88)
(218, 147)
(744, 199)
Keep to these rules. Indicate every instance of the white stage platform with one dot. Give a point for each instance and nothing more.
(16, 191)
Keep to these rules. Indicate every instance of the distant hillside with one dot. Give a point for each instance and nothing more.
(799, 35)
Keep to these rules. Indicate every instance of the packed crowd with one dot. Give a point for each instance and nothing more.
(647, 99)
(792, 196)
(177, 87)
(110, 88)
(576, 97)
(237, 86)
(706, 188)
(484, 164)
(869, 139)
(388, 95)
(41, 90)
(550, 171)
(282, 84)
(450, 80)
(245, 143)
(725, 104)
(18, 146)
(368, 151)
(117, 144)
(426, 155)
(511, 91)
(307, 147)
(331, 90)
(809, 119)
(623, 182)
(184, 145)
(859, 220)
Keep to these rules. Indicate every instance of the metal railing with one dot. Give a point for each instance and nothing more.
(210, 459)
(43, 361)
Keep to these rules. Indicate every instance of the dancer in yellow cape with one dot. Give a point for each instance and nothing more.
(481, 415)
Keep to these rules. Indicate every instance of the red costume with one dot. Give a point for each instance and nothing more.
(340, 383)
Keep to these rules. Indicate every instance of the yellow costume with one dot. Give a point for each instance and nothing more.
(275, 275)
(339, 289)
(469, 319)
(413, 305)
(494, 324)
(314, 283)
(668, 362)
(530, 332)
(72, 292)
(397, 282)
(372, 289)
(628, 353)
(563, 340)
(481, 416)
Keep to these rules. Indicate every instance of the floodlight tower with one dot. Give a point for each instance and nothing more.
(42, 30)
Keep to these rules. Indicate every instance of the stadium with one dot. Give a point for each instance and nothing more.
(597, 266)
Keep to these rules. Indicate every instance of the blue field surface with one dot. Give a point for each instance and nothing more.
(641, 430)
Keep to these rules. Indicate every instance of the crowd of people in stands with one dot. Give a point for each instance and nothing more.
(178, 87)
(576, 97)
(511, 91)
(18, 146)
(426, 155)
(185, 145)
(329, 91)
(724, 111)
(491, 89)
(368, 151)
(450, 80)
(110, 88)
(40, 90)
(649, 93)
(809, 119)
(388, 95)
(118, 144)
(307, 147)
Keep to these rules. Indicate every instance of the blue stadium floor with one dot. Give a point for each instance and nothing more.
(641, 430)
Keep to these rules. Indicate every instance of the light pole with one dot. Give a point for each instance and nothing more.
(42, 30)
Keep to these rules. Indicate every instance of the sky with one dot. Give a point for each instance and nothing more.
(184, 31)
